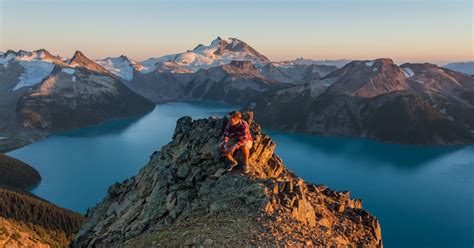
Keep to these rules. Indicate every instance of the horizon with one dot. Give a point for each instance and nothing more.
(403, 31)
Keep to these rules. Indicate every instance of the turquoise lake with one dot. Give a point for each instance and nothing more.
(422, 196)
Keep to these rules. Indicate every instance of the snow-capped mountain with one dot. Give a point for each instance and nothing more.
(219, 52)
(34, 66)
(73, 97)
(122, 66)
(40, 93)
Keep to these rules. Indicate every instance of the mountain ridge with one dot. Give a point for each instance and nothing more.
(433, 105)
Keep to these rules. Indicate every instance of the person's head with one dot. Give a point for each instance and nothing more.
(235, 117)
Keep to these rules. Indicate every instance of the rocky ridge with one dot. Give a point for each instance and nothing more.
(183, 197)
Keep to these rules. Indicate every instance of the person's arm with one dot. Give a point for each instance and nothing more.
(227, 133)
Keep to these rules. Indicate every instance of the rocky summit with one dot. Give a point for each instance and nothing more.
(184, 197)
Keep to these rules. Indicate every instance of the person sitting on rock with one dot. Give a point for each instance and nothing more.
(236, 136)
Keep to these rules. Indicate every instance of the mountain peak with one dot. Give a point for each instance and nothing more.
(367, 78)
(46, 55)
(236, 45)
(78, 54)
(385, 61)
(219, 52)
(184, 186)
(80, 60)
(124, 57)
(431, 77)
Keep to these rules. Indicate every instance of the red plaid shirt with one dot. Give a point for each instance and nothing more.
(239, 132)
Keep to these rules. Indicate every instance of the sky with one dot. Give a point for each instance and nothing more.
(437, 31)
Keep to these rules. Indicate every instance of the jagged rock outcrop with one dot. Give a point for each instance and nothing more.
(183, 197)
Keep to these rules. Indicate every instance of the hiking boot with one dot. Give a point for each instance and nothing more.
(231, 164)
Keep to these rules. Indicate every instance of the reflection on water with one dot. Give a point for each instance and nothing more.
(422, 196)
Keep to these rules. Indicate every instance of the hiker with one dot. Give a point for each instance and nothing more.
(236, 136)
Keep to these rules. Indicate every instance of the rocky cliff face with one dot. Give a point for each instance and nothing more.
(183, 197)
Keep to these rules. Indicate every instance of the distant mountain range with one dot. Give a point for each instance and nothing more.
(464, 67)
(41, 92)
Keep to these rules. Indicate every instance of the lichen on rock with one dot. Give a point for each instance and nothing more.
(184, 197)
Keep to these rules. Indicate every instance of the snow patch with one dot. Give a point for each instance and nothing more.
(370, 63)
(408, 72)
(4, 60)
(74, 78)
(37, 66)
(35, 72)
(120, 66)
(375, 69)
